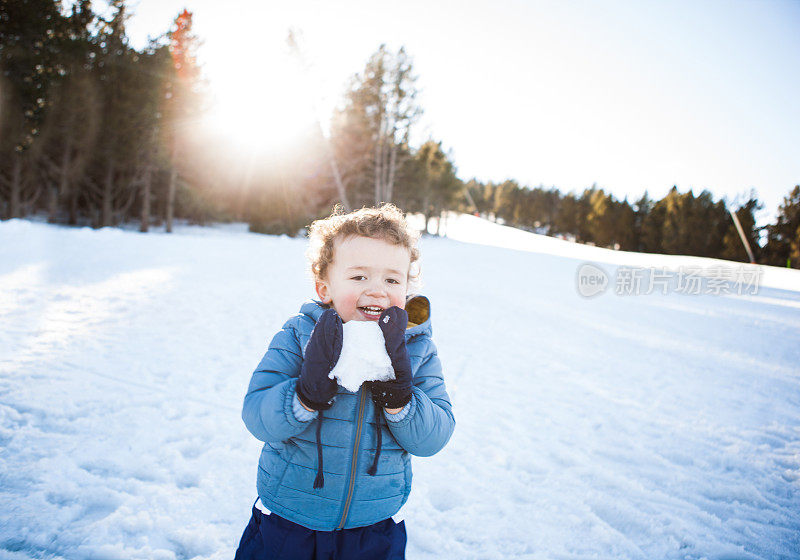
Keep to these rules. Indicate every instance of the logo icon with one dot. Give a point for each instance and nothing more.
(591, 280)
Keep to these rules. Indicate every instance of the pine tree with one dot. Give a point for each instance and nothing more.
(30, 34)
(623, 219)
(642, 208)
(371, 133)
(71, 126)
(783, 237)
(505, 197)
(600, 219)
(732, 247)
(109, 186)
(567, 216)
(181, 105)
(653, 225)
(475, 191)
(429, 184)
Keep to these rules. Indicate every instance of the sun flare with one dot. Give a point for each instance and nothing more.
(260, 107)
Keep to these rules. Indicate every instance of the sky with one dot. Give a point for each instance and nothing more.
(625, 95)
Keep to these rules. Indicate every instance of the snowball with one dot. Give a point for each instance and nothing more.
(363, 356)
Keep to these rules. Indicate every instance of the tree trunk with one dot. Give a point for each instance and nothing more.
(172, 186)
(145, 225)
(63, 190)
(742, 236)
(378, 172)
(337, 174)
(52, 203)
(392, 168)
(426, 212)
(381, 160)
(384, 169)
(72, 218)
(108, 195)
(16, 188)
(173, 182)
(94, 216)
(337, 177)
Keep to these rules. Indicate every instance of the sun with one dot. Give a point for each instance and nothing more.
(260, 106)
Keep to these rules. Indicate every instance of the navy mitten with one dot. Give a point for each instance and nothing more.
(394, 393)
(314, 388)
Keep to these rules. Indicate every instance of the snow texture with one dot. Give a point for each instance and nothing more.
(363, 356)
(639, 427)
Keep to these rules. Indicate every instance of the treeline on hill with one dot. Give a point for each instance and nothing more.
(678, 224)
(94, 132)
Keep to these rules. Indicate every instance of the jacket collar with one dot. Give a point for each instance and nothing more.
(418, 308)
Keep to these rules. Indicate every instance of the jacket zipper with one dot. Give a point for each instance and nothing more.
(354, 461)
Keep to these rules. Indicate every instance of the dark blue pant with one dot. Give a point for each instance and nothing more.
(271, 537)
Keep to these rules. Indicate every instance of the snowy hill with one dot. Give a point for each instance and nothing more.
(614, 426)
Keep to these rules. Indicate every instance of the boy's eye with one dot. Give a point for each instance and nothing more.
(357, 277)
(392, 281)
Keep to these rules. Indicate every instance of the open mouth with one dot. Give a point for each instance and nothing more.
(371, 312)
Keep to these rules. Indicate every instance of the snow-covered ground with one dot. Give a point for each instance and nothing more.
(617, 426)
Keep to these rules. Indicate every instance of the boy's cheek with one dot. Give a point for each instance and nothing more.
(346, 308)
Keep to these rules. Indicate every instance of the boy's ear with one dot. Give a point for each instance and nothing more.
(323, 291)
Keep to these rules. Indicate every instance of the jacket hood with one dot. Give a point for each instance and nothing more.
(417, 307)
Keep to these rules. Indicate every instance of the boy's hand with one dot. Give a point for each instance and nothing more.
(314, 388)
(397, 392)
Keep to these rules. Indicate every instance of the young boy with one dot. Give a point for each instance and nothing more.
(335, 464)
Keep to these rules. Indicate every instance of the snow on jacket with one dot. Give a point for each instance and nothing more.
(288, 462)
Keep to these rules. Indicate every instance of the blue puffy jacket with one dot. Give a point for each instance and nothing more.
(288, 462)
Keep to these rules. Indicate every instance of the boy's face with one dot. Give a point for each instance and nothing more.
(366, 276)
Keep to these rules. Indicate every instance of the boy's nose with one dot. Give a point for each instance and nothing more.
(376, 288)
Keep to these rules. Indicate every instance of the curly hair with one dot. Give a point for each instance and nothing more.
(386, 223)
